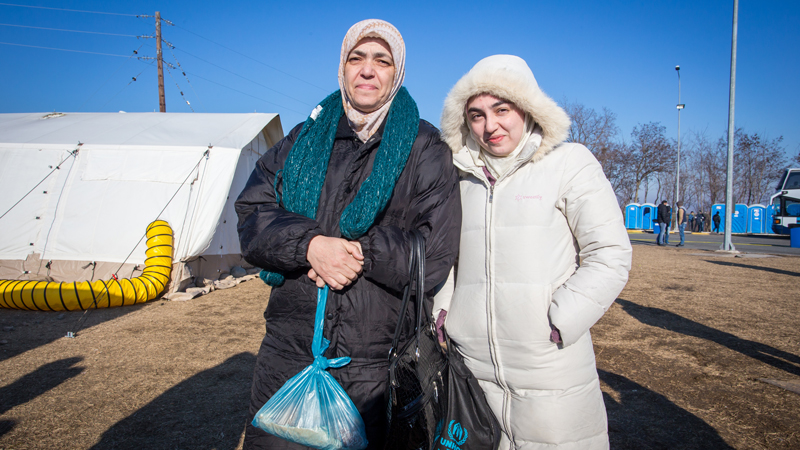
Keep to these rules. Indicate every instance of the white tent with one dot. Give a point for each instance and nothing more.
(110, 175)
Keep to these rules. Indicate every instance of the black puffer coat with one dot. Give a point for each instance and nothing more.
(664, 214)
(360, 320)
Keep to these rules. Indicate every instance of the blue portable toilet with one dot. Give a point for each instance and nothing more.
(632, 216)
(756, 215)
(721, 208)
(768, 219)
(648, 216)
(739, 219)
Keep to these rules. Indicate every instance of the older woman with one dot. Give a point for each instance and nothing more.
(333, 203)
(543, 255)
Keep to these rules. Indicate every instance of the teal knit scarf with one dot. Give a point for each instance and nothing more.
(305, 167)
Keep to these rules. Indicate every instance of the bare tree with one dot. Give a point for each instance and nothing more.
(598, 131)
(706, 170)
(666, 178)
(650, 153)
(660, 178)
(614, 161)
(694, 179)
(595, 130)
(758, 164)
(649, 160)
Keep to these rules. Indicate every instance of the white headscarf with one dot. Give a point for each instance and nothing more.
(366, 124)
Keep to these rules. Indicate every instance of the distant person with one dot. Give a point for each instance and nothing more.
(703, 218)
(669, 224)
(717, 219)
(662, 218)
(681, 221)
(691, 222)
(335, 202)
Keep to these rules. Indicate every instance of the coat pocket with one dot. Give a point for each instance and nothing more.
(520, 312)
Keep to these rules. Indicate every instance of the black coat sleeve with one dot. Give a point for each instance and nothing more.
(434, 209)
(271, 237)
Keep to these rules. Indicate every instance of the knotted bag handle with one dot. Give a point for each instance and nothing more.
(416, 278)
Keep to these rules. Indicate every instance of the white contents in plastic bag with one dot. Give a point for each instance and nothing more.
(312, 408)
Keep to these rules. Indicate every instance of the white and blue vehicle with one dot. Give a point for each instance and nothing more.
(786, 202)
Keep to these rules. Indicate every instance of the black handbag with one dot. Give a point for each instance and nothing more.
(418, 371)
(470, 423)
(434, 400)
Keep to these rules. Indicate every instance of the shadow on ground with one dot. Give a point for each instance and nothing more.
(38, 382)
(6, 426)
(646, 240)
(26, 330)
(747, 266)
(35, 384)
(643, 419)
(207, 411)
(661, 318)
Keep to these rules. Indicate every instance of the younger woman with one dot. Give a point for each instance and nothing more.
(543, 255)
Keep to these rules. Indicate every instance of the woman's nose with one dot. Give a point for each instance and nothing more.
(491, 123)
(368, 70)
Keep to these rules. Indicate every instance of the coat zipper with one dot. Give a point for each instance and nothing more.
(506, 418)
(490, 312)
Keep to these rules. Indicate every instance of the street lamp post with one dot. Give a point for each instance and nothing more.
(727, 245)
(678, 168)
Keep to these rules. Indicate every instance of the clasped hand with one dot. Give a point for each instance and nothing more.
(334, 261)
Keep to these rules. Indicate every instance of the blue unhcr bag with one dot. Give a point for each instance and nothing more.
(312, 409)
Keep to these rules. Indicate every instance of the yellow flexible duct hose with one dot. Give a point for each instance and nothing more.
(54, 296)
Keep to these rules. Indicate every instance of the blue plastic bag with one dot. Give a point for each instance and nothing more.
(312, 409)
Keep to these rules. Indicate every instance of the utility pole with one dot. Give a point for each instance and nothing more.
(678, 168)
(727, 245)
(162, 101)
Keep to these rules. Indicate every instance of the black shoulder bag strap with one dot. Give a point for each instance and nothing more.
(416, 278)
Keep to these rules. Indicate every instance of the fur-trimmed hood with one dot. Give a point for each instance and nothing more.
(507, 77)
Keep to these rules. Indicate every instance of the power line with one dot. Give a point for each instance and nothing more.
(140, 16)
(249, 95)
(185, 76)
(253, 59)
(129, 83)
(135, 52)
(172, 47)
(245, 78)
(63, 49)
(70, 10)
(71, 31)
(179, 89)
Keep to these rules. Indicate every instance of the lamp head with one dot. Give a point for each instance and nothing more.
(677, 67)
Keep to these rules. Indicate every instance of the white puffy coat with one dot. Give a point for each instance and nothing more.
(545, 245)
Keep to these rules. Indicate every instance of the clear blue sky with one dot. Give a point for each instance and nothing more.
(614, 54)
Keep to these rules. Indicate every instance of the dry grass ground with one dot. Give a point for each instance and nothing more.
(681, 356)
